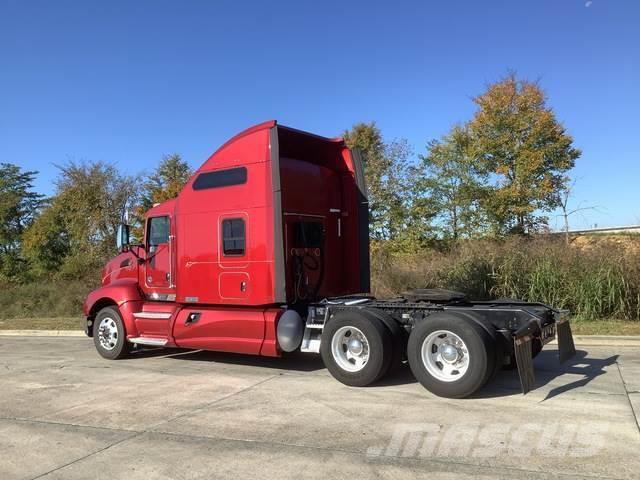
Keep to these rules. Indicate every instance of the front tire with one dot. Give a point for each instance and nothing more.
(356, 348)
(109, 335)
(451, 355)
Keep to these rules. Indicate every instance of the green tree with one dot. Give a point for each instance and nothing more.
(19, 205)
(166, 182)
(163, 184)
(518, 140)
(450, 180)
(386, 167)
(75, 234)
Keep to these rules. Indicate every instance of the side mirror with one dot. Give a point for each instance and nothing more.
(122, 237)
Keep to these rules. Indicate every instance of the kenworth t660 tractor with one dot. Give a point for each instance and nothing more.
(265, 251)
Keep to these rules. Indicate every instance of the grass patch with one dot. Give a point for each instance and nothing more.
(590, 279)
(45, 298)
(606, 327)
(56, 323)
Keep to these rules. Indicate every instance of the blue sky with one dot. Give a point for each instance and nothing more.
(128, 81)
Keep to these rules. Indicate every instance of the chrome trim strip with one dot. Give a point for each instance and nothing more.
(154, 315)
(356, 302)
(164, 297)
(156, 342)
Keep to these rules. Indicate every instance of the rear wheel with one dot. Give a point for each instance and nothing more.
(451, 355)
(398, 338)
(355, 348)
(109, 335)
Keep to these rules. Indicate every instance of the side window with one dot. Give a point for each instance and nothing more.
(221, 178)
(158, 232)
(233, 237)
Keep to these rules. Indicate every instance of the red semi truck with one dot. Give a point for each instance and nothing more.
(265, 251)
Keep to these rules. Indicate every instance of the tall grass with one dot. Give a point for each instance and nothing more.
(46, 298)
(595, 279)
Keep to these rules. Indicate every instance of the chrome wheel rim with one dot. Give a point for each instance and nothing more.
(445, 356)
(350, 349)
(108, 333)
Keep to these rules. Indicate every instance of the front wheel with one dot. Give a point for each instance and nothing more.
(451, 355)
(356, 348)
(109, 335)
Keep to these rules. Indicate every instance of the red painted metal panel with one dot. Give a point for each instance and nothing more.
(270, 344)
(300, 177)
(238, 330)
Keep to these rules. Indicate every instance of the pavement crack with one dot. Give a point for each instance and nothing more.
(624, 385)
(88, 455)
(68, 424)
(372, 458)
(209, 404)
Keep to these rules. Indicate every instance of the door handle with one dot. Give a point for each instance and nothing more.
(192, 318)
(243, 286)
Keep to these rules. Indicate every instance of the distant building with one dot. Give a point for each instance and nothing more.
(587, 231)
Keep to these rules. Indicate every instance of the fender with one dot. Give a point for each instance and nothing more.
(123, 294)
(483, 322)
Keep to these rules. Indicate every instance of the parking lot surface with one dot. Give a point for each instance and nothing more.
(65, 413)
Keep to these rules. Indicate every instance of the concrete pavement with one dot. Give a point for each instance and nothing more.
(65, 413)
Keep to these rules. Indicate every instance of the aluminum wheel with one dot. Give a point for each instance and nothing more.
(350, 348)
(108, 333)
(445, 356)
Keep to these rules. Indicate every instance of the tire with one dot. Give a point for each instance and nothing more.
(398, 339)
(112, 343)
(475, 354)
(500, 348)
(369, 331)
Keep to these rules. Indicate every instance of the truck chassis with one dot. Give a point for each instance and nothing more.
(512, 334)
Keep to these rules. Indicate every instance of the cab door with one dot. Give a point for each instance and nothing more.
(157, 284)
(158, 248)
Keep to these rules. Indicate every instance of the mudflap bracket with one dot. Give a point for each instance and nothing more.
(524, 361)
(566, 347)
(522, 346)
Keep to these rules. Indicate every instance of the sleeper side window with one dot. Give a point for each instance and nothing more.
(233, 237)
(220, 178)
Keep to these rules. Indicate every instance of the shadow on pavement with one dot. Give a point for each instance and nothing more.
(401, 376)
(588, 368)
(295, 361)
(548, 368)
(506, 382)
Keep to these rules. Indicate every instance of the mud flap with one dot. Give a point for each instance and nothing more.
(524, 361)
(566, 347)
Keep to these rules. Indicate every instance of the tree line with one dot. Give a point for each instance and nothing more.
(498, 174)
